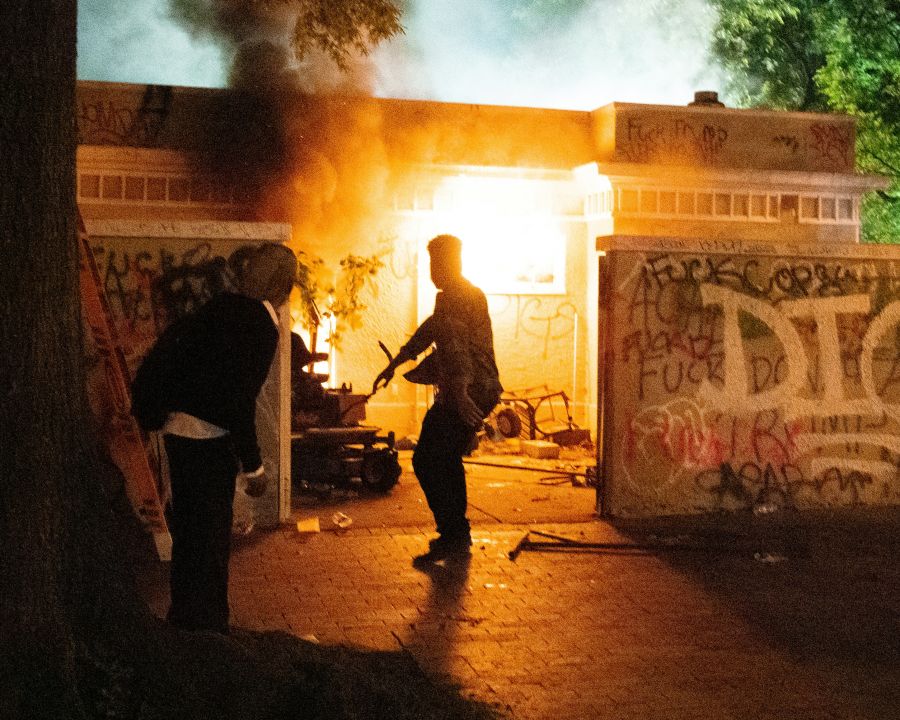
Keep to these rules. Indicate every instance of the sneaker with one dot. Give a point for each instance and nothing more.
(442, 548)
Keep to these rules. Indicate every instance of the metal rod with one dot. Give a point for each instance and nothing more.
(564, 544)
(547, 471)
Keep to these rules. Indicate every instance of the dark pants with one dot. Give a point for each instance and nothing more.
(203, 476)
(437, 461)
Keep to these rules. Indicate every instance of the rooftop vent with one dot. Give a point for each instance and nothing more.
(706, 98)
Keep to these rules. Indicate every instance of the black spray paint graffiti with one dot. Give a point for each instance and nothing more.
(784, 280)
(103, 122)
(788, 141)
(676, 338)
(806, 352)
(678, 140)
(752, 484)
(548, 320)
(146, 291)
(832, 143)
(546, 324)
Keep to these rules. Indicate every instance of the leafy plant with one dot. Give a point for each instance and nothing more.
(326, 294)
(824, 55)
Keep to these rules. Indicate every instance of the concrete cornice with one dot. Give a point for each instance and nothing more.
(736, 246)
(205, 230)
(667, 176)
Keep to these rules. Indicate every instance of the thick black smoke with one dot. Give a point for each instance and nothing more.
(256, 40)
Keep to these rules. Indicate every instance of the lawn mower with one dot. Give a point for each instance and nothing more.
(330, 448)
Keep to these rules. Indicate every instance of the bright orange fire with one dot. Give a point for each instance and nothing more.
(512, 240)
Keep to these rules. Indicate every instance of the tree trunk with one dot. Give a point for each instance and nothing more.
(76, 641)
(55, 508)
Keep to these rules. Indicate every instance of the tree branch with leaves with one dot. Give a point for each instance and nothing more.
(824, 55)
(336, 296)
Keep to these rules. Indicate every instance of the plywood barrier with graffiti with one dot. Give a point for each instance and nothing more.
(153, 272)
(748, 375)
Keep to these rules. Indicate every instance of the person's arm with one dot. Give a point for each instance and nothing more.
(462, 402)
(418, 343)
(258, 351)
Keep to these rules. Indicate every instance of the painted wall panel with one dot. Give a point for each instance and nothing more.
(155, 271)
(726, 137)
(741, 375)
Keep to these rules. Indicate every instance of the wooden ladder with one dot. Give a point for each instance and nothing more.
(128, 444)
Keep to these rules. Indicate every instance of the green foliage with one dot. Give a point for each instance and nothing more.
(337, 27)
(309, 268)
(337, 295)
(356, 273)
(831, 55)
(772, 51)
(340, 27)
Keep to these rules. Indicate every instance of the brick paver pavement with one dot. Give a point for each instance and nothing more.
(789, 620)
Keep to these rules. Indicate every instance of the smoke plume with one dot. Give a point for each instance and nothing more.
(570, 54)
(323, 165)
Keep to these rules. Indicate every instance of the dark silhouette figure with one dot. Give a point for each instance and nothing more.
(199, 385)
(464, 370)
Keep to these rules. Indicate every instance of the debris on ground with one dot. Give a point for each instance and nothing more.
(308, 525)
(242, 528)
(341, 520)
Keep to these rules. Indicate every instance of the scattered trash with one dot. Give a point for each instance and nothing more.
(765, 508)
(407, 443)
(310, 638)
(242, 528)
(539, 448)
(541, 498)
(769, 558)
(499, 586)
(571, 436)
(341, 521)
(308, 525)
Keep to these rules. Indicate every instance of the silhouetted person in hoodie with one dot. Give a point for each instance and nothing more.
(207, 369)
(463, 368)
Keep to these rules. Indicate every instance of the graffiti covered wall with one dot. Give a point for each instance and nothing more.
(724, 137)
(154, 272)
(742, 375)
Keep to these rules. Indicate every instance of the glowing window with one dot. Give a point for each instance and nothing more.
(758, 206)
(513, 242)
(723, 204)
(845, 208)
(648, 201)
(704, 203)
(686, 203)
(628, 201)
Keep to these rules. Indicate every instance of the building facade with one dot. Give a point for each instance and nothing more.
(544, 201)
